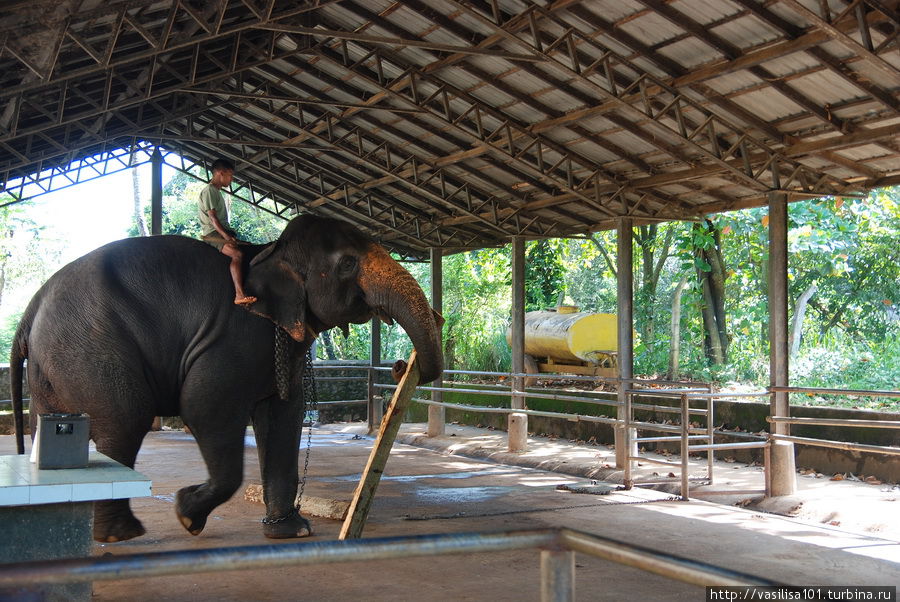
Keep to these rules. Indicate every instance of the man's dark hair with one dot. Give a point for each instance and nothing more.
(222, 164)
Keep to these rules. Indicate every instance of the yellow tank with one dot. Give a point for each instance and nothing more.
(567, 336)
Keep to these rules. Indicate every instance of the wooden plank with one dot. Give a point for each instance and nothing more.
(371, 476)
(574, 369)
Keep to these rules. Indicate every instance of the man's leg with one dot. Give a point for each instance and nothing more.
(240, 297)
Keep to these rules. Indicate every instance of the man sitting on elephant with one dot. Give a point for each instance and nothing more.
(215, 226)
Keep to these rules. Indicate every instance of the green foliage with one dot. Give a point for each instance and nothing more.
(7, 332)
(477, 309)
(544, 273)
(589, 281)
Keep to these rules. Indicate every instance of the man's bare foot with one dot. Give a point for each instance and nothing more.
(245, 300)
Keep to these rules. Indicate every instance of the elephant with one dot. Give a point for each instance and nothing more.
(147, 327)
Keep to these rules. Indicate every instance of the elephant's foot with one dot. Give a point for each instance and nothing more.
(191, 519)
(113, 528)
(286, 527)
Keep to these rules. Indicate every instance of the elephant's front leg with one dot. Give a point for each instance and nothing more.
(222, 447)
(276, 424)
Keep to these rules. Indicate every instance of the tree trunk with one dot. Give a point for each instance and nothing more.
(713, 288)
(138, 214)
(609, 262)
(328, 344)
(652, 261)
(715, 352)
(796, 332)
(675, 338)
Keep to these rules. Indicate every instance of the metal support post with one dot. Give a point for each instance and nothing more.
(783, 475)
(156, 192)
(436, 414)
(376, 409)
(557, 576)
(710, 433)
(625, 344)
(685, 442)
(518, 423)
(628, 434)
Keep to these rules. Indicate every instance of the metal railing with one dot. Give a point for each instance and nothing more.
(692, 440)
(685, 434)
(557, 550)
(844, 445)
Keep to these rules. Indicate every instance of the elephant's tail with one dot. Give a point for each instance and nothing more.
(17, 355)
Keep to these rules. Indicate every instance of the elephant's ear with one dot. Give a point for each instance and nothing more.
(281, 293)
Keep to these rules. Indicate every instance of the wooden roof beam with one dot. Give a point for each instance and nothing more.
(389, 41)
(813, 37)
(888, 71)
(836, 66)
(731, 52)
(710, 153)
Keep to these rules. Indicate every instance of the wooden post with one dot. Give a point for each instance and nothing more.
(371, 476)
(517, 432)
(156, 192)
(376, 411)
(625, 317)
(437, 414)
(783, 475)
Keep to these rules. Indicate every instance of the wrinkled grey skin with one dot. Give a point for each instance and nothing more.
(147, 326)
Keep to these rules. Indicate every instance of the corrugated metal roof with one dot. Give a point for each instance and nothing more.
(449, 123)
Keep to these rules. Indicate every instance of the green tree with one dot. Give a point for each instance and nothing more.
(27, 259)
(544, 273)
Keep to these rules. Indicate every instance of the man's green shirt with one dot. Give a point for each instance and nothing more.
(211, 198)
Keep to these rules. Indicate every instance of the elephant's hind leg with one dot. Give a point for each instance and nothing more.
(223, 453)
(113, 519)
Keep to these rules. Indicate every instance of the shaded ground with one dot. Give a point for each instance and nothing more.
(430, 491)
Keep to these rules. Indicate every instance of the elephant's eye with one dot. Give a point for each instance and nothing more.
(347, 264)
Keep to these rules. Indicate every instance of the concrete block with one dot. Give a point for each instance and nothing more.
(784, 470)
(47, 532)
(518, 432)
(308, 504)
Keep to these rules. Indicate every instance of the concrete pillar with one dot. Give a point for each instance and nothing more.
(518, 432)
(376, 410)
(518, 423)
(436, 414)
(625, 319)
(784, 477)
(156, 192)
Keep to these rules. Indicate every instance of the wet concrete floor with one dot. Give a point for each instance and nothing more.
(438, 491)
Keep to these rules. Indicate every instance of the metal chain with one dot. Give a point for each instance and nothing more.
(310, 404)
(289, 385)
(282, 364)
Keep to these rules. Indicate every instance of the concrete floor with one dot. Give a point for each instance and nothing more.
(441, 491)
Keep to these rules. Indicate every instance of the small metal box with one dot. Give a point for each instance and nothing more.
(62, 440)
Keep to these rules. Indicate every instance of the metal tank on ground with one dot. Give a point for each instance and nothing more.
(569, 341)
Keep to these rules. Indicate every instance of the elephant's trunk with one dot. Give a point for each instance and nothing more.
(391, 290)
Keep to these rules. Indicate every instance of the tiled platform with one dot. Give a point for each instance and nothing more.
(48, 515)
(22, 484)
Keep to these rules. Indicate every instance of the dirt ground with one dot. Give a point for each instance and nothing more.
(442, 491)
